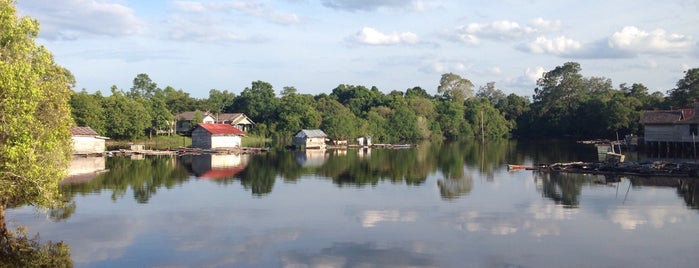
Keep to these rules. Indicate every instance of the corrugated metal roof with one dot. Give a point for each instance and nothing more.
(83, 131)
(221, 129)
(311, 133)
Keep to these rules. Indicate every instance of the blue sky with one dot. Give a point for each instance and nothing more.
(315, 45)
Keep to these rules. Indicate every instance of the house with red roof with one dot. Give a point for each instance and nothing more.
(216, 136)
(679, 126)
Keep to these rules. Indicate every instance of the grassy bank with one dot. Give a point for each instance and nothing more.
(173, 142)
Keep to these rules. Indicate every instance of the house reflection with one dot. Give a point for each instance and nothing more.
(218, 166)
(84, 168)
(311, 157)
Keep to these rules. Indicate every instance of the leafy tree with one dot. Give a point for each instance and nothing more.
(258, 102)
(487, 121)
(686, 91)
(454, 88)
(179, 101)
(416, 92)
(286, 91)
(557, 98)
(338, 121)
(87, 110)
(296, 112)
(126, 117)
(451, 120)
(35, 144)
(219, 100)
(494, 95)
(143, 87)
(358, 99)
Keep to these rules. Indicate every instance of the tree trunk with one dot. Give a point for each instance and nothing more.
(3, 225)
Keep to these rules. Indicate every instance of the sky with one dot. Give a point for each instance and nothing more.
(316, 45)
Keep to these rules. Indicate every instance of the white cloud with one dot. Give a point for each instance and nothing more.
(371, 36)
(370, 5)
(252, 9)
(534, 73)
(635, 40)
(502, 30)
(559, 46)
(97, 18)
(204, 30)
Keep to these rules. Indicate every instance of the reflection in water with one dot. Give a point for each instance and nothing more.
(360, 255)
(370, 218)
(218, 166)
(84, 168)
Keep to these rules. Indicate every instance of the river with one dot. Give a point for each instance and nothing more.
(438, 205)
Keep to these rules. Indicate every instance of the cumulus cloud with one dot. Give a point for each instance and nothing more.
(370, 5)
(252, 9)
(371, 36)
(97, 18)
(559, 46)
(205, 30)
(502, 30)
(659, 41)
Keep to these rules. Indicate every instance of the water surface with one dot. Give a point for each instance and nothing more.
(440, 205)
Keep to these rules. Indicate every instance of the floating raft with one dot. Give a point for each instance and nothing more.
(657, 168)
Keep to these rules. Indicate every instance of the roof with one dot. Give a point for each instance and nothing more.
(234, 117)
(83, 131)
(311, 133)
(221, 129)
(681, 116)
(189, 115)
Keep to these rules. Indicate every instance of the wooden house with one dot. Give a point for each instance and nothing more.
(87, 141)
(310, 138)
(238, 120)
(671, 130)
(184, 122)
(216, 136)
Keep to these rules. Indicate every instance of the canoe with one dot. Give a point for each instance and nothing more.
(518, 167)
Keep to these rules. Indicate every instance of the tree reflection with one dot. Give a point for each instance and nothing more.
(562, 188)
(144, 176)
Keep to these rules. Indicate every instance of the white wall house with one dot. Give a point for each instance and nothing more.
(213, 136)
(310, 138)
(87, 141)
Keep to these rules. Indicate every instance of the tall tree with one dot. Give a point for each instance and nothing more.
(219, 100)
(35, 143)
(143, 86)
(87, 110)
(454, 88)
(557, 98)
(686, 91)
(258, 102)
(490, 92)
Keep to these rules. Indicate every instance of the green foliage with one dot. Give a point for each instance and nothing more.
(35, 114)
(454, 88)
(17, 249)
(487, 121)
(686, 91)
(87, 110)
(126, 118)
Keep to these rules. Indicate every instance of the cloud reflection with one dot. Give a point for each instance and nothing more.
(370, 218)
(360, 255)
(537, 220)
(630, 218)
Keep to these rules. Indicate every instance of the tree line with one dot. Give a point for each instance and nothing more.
(564, 103)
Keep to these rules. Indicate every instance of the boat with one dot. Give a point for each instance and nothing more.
(518, 167)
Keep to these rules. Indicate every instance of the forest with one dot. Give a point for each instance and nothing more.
(564, 104)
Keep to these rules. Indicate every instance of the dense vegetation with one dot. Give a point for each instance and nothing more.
(35, 144)
(565, 103)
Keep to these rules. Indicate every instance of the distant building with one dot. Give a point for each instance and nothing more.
(185, 121)
(310, 138)
(671, 132)
(216, 136)
(87, 141)
(238, 120)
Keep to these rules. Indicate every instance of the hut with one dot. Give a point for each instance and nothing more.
(216, 136)
(238, 120)
(310, 138)
(672, 131)
(87, 141)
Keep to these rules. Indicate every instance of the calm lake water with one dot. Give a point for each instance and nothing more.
(440, 205)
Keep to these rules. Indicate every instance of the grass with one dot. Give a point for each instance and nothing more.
(176, 141)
